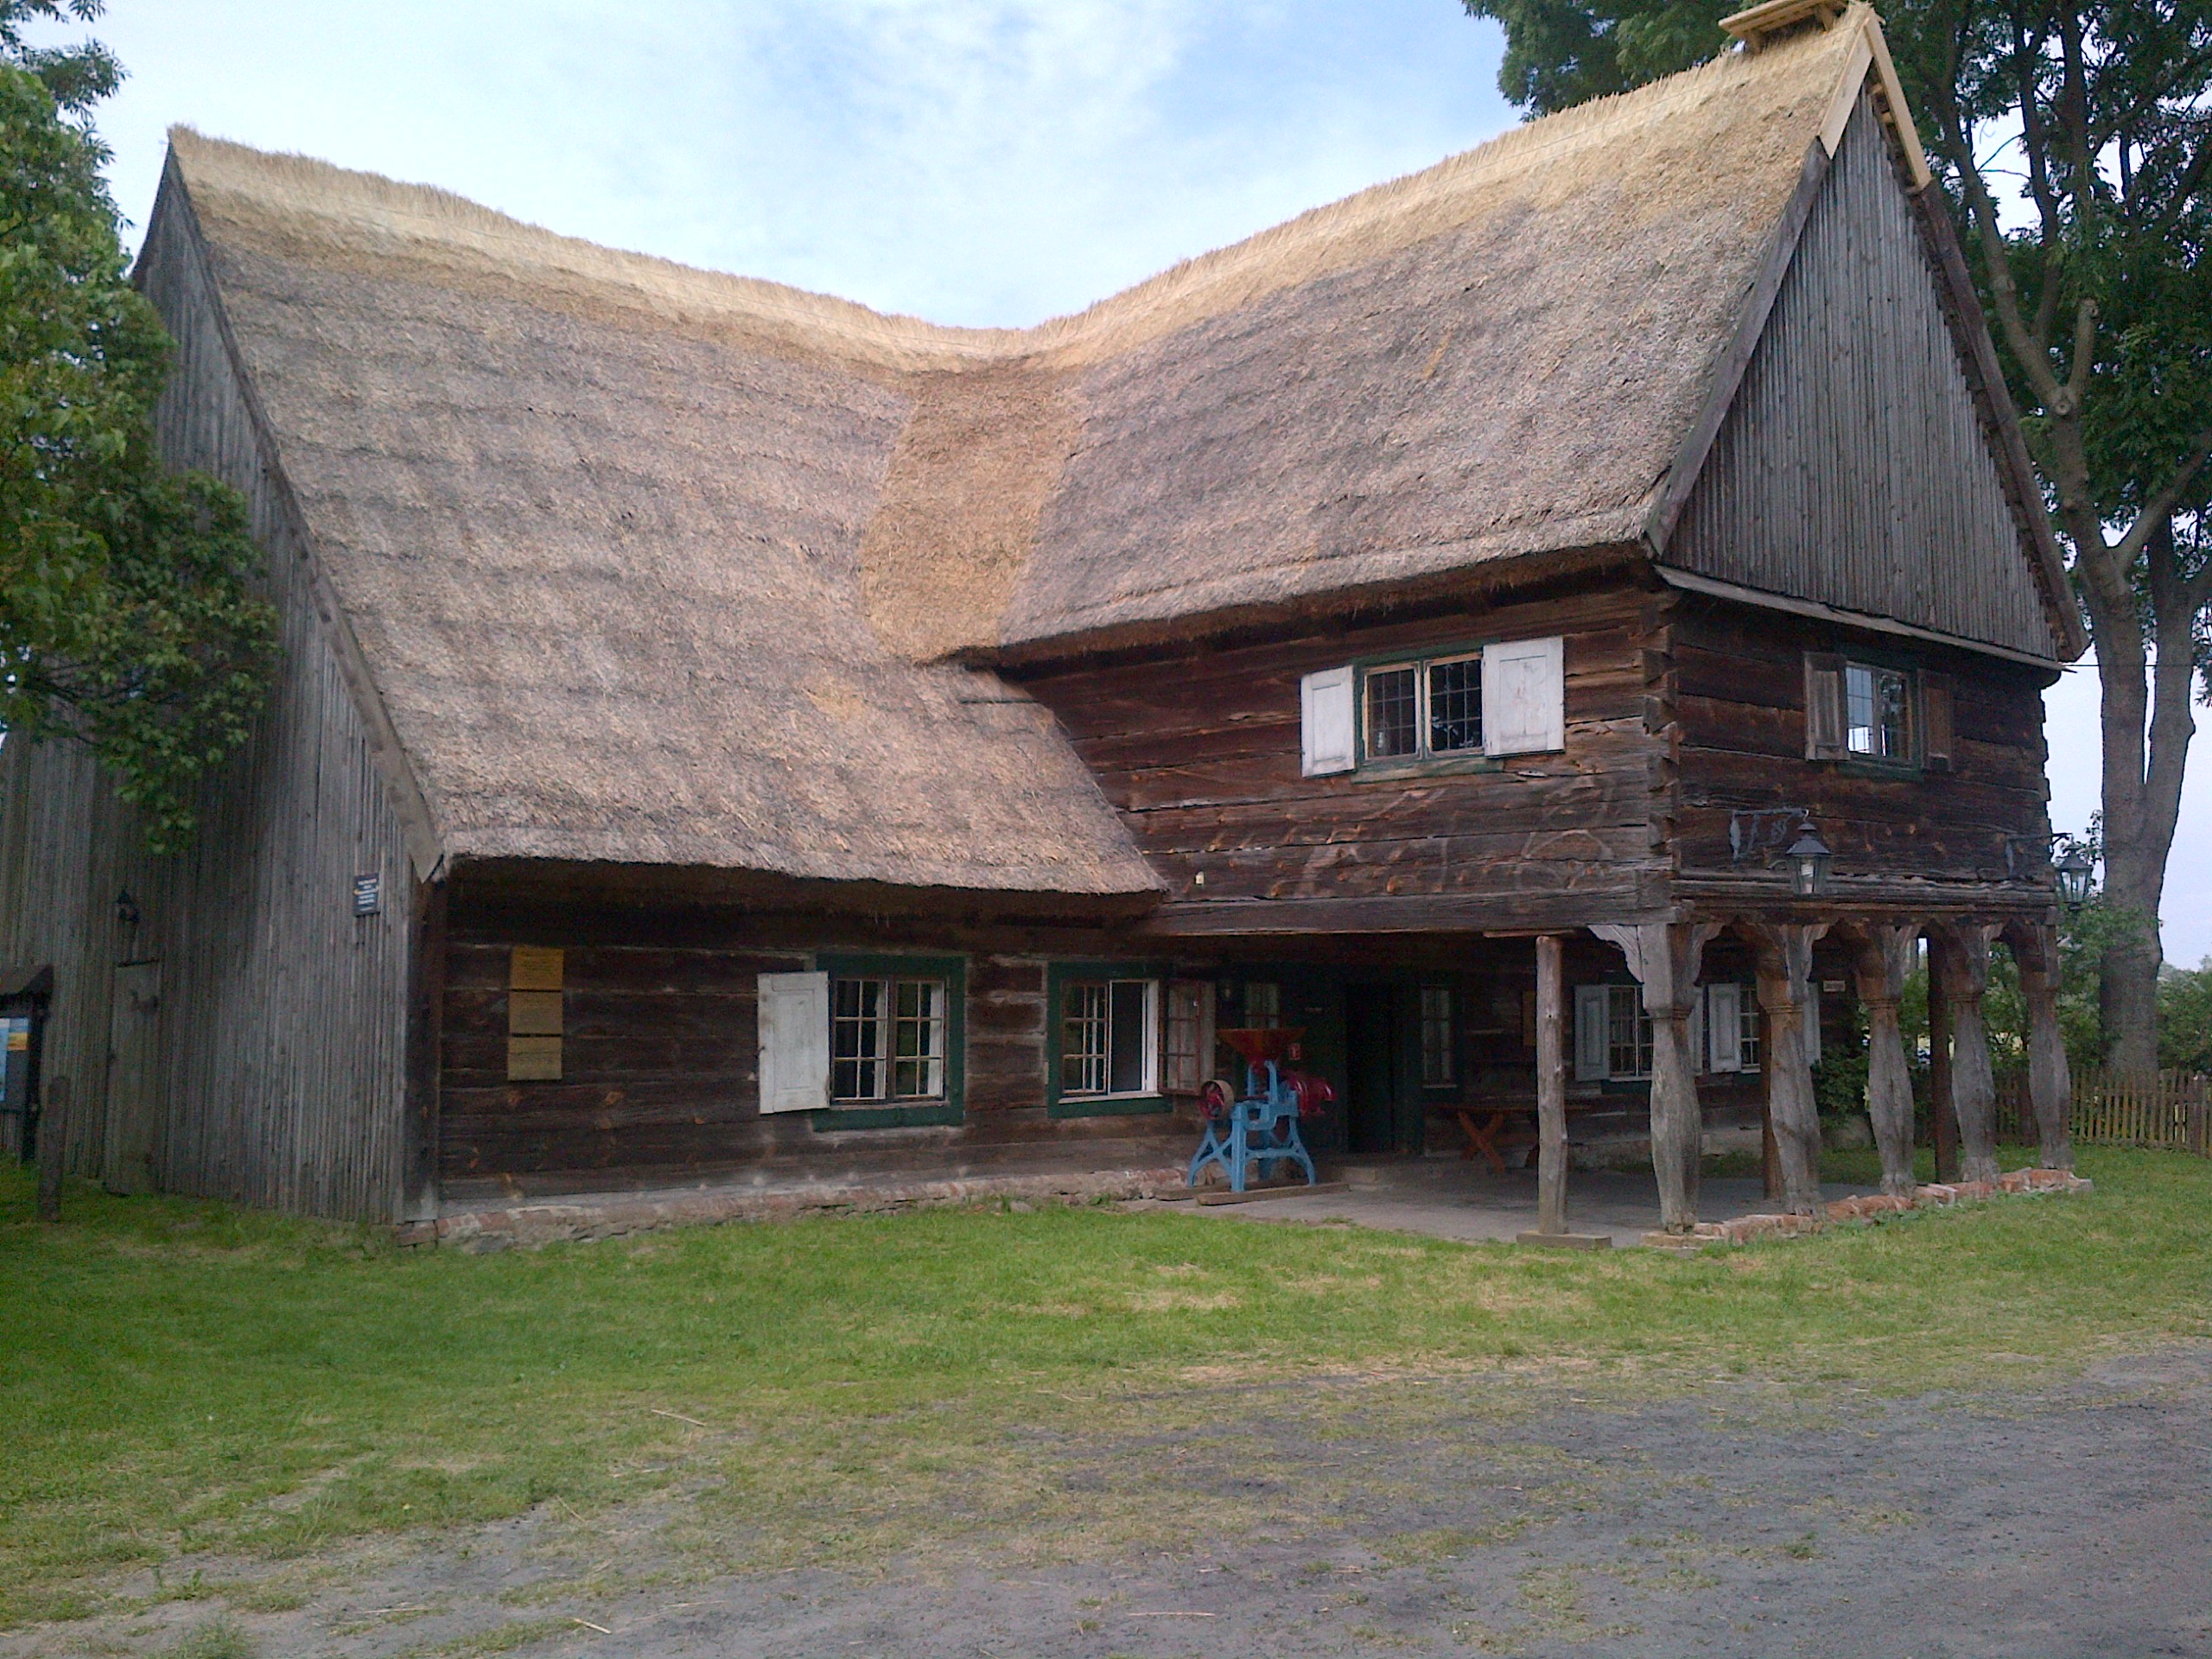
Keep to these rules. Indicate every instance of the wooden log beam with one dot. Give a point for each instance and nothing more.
(1784, 963)
(1551, 1088)
(1973, 1083)
(1885, 957)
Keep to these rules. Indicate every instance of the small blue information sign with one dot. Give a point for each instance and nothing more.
(368, 894)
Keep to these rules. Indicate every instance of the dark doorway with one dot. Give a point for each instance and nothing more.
(1370, 1068)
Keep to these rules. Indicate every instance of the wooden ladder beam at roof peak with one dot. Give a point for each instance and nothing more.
(1754, 23)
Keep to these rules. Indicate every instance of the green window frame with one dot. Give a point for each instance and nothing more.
(891, 970)
(1094, 1023)
(1408, 704)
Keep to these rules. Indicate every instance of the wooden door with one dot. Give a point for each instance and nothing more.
(1370, 1069)
(133, 1078)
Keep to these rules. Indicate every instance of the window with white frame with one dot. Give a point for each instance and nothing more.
(1436, 1068)
(887, 1039)
(1612, 1034)
(1507, 698)
(1108, 1038)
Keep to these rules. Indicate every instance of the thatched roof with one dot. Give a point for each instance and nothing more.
(643, 559)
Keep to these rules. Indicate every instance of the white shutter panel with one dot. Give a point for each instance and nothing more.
(1812, 1027)
(794, 1042)
(1724, 1026)
(1325, 707)
(1525, 697)
(1592, 1035)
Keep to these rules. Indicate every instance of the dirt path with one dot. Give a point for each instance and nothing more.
(1738, 1519)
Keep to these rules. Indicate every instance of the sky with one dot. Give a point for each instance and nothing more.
(980, 161)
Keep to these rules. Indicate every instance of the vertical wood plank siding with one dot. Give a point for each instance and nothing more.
(1854, 468)
(282, 1023)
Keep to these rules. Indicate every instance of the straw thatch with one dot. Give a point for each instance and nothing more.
(643, 560)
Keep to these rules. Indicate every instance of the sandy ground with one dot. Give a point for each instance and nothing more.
(1738, 1518)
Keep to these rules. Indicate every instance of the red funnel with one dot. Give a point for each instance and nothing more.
(1258, 1047)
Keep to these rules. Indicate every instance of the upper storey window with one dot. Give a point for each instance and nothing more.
(1882, 714)
(1877, 712)
(1504, 698)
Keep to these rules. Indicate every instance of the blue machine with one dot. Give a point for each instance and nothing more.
(1245, 1137)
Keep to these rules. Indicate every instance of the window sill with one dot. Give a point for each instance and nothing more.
(1859, 765)
(1107, 1105)
(921, 1115)
(1427, 767)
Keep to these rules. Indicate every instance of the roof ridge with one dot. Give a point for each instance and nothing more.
(368, 213)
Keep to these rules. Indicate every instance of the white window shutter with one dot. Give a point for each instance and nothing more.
(794, 1042)
(1592, 1034)
(1325, 707)
(1724, 1026)
(1812, 1027)
(1525, 697)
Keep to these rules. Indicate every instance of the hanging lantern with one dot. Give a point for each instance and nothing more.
(1808, 859)
(2075, 872)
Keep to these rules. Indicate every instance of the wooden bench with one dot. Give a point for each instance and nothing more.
(1492, 1130)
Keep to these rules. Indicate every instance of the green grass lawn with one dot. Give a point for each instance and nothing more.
(181, 1379)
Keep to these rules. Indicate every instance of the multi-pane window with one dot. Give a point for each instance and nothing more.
(1627, 1033)
(887, 1039)
(1425, 709)
(1190, 1035)
(1107, 1044)
(1455, 706)
(1262, 1004)
(1392, 712)
(1877, 712)
(1435, 1036)
(1747, 1032)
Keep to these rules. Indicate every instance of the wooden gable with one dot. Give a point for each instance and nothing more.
(1856, 466)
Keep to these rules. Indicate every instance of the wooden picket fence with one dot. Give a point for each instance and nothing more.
(2172, 1110)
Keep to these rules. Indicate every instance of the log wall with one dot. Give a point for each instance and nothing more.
(1739, 685)
(1199, 752)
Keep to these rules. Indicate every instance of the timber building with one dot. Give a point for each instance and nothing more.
(723, 731)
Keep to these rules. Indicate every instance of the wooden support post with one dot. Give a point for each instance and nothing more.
(2050, 1088)
(1942, 1109)
(1551, 1089)
(1769, 1147)
(1785, 969)
(52, 1146)
(1663, 957)
(426, 996)
(1885, 959)
(1974, 1083)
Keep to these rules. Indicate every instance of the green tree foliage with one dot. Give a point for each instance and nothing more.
(2074, 145)
(127, 621)
(2185, 1018)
